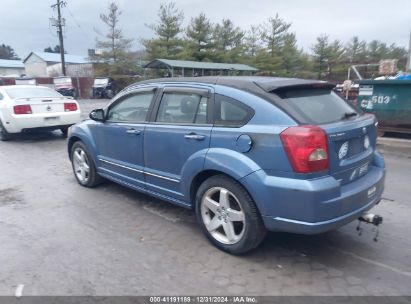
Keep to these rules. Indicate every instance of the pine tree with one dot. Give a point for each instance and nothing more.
(199, 37)
(7, 52)
(227, 41)
(356, 50)
(321, 52)
(167, 43)
(56, 49)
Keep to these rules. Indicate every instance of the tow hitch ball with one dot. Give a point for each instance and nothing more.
(370, 218)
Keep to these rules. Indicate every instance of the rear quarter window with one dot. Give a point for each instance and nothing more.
(230, 112)
(316, 106)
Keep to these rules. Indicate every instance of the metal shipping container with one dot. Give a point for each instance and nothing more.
(390, 101)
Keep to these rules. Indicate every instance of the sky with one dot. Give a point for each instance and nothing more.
(25, 24)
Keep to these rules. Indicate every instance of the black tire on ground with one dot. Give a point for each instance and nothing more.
(94, 179)
(254, 230)
(4, 135)
(64, 130)
(109, 94)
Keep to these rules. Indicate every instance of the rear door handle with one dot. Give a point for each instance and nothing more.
(133, 131)
(194, 136)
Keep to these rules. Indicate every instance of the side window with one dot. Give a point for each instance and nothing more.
(132, 108)
(182, 108)
(230, 112)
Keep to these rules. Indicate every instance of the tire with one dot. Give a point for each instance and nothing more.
(4, 135)
(240, 217)
(109, 94)
(83, 166)
(64, 130)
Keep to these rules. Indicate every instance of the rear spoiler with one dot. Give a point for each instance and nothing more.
(44, 99)
(293, 84)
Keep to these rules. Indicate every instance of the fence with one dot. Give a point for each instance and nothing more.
(83, 85)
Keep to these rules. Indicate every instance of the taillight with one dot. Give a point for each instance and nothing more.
(306, 148)
(70, 107)
(22, 109)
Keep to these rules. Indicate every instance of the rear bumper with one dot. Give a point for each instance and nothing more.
(20, 123)
(315, 206)
(301, 227)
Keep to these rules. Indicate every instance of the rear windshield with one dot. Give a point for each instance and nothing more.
(316, 106)
(101, 81)
(33, 92)
(62, 80)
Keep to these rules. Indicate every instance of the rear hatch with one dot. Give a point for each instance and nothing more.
(351, 134)
(351, 144)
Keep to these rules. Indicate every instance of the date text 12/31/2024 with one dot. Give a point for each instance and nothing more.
(203, 299)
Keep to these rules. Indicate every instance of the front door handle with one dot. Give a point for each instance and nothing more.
(133, 131)
(194, 136)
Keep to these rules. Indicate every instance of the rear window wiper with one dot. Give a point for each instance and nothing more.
(348, 115)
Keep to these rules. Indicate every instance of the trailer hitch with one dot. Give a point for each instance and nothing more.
(370, 218)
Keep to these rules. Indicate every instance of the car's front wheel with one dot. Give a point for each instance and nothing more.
(228, 216)
(4, 135)
(83, 166)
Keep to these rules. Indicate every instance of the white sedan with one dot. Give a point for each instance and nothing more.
(27, 107)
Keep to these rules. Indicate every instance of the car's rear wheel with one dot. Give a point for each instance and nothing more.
(4, 135)
(228, 216)
(64, 130)
(83, 166)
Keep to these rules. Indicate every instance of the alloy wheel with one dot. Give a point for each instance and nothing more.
(81, 165)
(222, 215)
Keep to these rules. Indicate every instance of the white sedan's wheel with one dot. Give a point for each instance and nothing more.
(4, 135)
(222, 215)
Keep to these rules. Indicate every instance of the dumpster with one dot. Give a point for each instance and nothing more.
(390, 101)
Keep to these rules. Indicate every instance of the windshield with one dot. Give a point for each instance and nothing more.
(62, 80)
(317, 106)
(103, 81)
(31, 92)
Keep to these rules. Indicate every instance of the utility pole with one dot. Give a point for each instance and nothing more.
(59, 23)
(408, 67)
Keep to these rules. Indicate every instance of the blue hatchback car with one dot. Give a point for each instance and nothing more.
(248, 154)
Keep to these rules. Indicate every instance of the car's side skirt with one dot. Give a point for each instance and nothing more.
(140, 171)
(143, 190)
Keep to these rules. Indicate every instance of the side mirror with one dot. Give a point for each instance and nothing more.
(97, 115)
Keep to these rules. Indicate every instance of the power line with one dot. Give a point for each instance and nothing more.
(77, 24)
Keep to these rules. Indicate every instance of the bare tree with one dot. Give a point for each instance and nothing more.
(115, 49)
